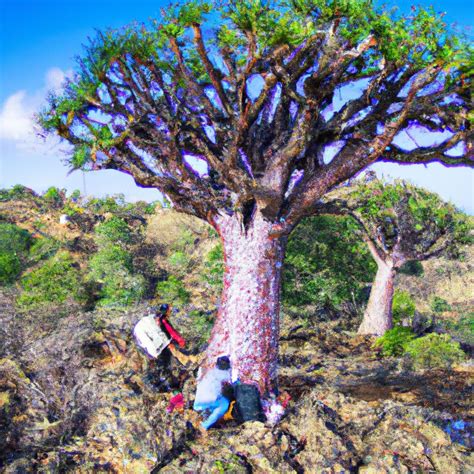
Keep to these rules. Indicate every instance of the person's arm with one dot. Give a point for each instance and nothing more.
(173, 333)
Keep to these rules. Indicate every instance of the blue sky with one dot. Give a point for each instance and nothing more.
(38, 42)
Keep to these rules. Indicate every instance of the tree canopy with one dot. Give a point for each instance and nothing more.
(249, 91)
(402, 222)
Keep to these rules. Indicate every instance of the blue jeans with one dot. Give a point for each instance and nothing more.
(218, 407)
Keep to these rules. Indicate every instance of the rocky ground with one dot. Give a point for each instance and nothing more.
(76, 395)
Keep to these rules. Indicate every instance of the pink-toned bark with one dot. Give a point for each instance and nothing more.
(378, 314)
(247, 325)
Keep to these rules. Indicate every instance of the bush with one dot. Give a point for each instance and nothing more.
(14, 245)
(202, 324)
(111, 267)
(461, 329)
(213, 272)
(412, 268)
(394, 341)
(172, 290)
(42, 249)
(54, 196)
(434, 350)
(439, 305)
(403, 307)
(179, 262)
(326, 263)
(10, 268)
(113, 231)
(53, 282)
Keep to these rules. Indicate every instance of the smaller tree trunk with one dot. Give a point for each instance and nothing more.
(378, 314)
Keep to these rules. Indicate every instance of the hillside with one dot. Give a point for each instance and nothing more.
(77, 395)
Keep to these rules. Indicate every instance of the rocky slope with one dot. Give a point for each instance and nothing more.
(80, 397)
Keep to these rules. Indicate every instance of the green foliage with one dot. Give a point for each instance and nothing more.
(114, 230)
(403, 307)
(440, 305)
(18, 191)
(202, 323)
(462, 329)
(394, 341)
(172, 290)
(434, 350)
(111, 267)
(53, 195)
(326, 263)
(412, 268)
(248, 29)
(419, 222)
(213, 272)
(10, 268)
(43, 248)
(179, 262)
(14, 245)
(55, 281)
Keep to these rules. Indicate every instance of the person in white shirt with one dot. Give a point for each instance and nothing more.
(209, 394)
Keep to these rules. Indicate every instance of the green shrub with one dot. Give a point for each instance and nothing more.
(53, 196)
(394, 341)
(16, 192)
(56, 280)
(439, 305)
(403, 307)
(111, 268)
(213, 272)
(172, 290)
(202, 324)
(43, 248)
(326, 263)
(14, 245)
(179, 261)
(10, 268)
(462, 328)
(114, 231)
(412, 268)
(434, 350)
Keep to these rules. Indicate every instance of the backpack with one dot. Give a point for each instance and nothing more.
(150, 337)
(247, 405)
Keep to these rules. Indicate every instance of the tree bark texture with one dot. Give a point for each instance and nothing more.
(378, 314)
(247, 325)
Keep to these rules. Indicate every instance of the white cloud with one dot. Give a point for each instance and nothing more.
(17, 123)
(15, 117)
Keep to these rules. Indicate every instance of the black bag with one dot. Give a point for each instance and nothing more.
(247, 403)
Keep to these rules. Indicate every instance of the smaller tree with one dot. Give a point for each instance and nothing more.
(400, 223)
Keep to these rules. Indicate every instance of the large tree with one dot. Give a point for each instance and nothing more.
(251, 91)
(400, 223)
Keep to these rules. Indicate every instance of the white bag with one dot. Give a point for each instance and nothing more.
(150, 336)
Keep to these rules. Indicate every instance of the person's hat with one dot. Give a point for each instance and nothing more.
(164, 308)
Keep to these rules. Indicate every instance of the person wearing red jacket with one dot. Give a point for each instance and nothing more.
(162, 319)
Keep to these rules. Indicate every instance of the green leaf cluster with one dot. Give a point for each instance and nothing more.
(394, 342)
(326, 263)
(403, 307)
(172, 290)
(213, 272)
(111, 267)
(433, 351)
(113, 230)
(53, 282)
(14, 246)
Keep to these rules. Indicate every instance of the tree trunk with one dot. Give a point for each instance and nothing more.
(247, 325)
(378, 314)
